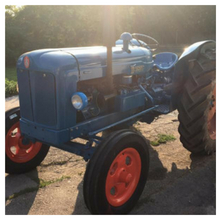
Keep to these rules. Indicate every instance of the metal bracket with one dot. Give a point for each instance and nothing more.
(147, 94)
(84, 150)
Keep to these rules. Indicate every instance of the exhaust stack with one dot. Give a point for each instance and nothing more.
(109, 42)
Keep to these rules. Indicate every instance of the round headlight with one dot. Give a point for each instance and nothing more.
(79, 100)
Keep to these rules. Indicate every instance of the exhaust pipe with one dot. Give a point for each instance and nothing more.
(109, 42)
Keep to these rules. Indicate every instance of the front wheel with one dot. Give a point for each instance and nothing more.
(117, 173)
(20, 157)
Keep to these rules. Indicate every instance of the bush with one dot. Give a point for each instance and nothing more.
(10, 88)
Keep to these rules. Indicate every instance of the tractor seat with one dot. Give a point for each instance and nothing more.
(165, 61)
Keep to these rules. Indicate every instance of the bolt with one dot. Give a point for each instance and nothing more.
(112, 191)
(71, 129)
(128, 161)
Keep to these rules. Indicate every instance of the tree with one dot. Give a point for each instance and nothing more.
(35, 27)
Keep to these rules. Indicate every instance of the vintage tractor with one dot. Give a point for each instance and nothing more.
(74, 93)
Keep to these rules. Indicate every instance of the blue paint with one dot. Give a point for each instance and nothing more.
(129, 101)
(165, 61)
(86, 128)
(122, 121)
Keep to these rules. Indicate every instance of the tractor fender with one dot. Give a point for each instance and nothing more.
(183, 64)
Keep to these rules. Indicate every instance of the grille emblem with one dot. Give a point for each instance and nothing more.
(26, 62)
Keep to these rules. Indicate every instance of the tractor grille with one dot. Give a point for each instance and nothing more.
(39, 97)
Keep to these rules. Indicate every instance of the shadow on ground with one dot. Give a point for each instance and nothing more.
(177, 191)
(180, 191)
(18, 185)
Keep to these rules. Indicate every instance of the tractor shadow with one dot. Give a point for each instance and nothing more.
(179, 191)
(21, 190)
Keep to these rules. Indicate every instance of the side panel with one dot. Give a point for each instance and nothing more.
(131, 101)
(92, 61)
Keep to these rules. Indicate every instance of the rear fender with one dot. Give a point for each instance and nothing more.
(182, 66)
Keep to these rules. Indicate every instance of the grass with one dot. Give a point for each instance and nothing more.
(10, 73)
(80, 173)
(162, 139)
(42, 184)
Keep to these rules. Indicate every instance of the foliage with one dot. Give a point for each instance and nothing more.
(10, 73)
(33, 27)
(162, 139)
(10, 87)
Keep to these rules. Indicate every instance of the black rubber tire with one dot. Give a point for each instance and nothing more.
(98, 167)
(107, 132)
(12, 167)
(194, 105)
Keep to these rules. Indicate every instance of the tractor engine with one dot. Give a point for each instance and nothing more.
(157, 84)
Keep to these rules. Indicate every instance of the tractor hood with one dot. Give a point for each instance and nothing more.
(48, 78)
(88, 62)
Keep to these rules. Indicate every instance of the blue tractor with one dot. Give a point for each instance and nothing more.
(83, 92)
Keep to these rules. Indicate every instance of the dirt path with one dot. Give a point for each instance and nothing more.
(178, 182)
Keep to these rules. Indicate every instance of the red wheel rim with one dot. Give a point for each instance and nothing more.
(123, 177)
(16, 150)
(212, 116)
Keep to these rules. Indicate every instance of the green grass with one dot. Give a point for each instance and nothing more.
(42, 184)
(162, 139)
(10, 73)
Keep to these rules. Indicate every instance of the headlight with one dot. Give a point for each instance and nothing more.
(79, 100)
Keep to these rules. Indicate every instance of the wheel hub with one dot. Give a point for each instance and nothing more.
(16, 150)
(123, 177)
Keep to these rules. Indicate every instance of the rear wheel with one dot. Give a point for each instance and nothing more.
(197, 106)
(116, 174)
(20, 157)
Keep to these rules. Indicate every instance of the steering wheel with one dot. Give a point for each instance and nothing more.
(135, 35)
